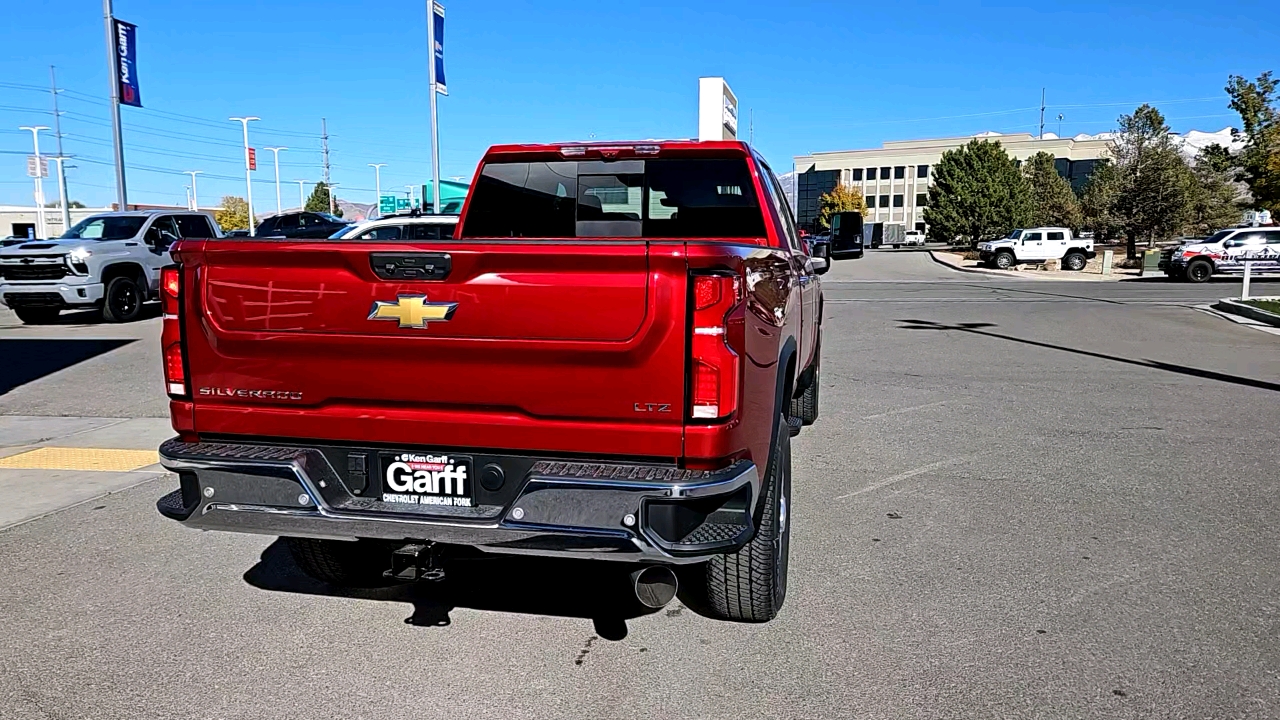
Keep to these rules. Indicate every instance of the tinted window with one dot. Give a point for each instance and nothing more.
(920, 226)
(871, 173)
(282, 223)
(161, 225)
(654, 198)
(922, 199)
(871, 201)
(385, 232)
(779, 199)
(884, 173)
(429, 232)
(1057, 236)
(1030, 237)
(884, 201)
(1273, 238)
(897, 201)
(856, 174)
(899, 172)
(194, 226)
(922, 171)
(106, 228)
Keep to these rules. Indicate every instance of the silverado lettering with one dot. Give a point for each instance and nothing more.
(582, 275)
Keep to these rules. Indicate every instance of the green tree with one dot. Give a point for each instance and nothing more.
(71, 205)
(1098, 202)
(840, 199)
(1259, 108)
(1053, 202)
(1215, 199)
(978, 194)
(1155, 199)
(319, 200)
(234, 213)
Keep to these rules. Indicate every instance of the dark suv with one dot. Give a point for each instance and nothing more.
(301, 225)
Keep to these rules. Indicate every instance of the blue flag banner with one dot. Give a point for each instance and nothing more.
(127, 63)
(437, 17)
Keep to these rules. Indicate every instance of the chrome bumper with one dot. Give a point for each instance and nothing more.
(611, 511)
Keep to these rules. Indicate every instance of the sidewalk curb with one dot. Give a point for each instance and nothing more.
(1235, 307)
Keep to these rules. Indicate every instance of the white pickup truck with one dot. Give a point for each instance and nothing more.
(1036, 245)
(109, 261)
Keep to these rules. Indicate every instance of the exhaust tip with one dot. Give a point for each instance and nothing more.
(654, 585)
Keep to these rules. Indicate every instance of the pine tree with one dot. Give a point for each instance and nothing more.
(1215, 198)
(319, 200)
(840, 199)
(1156, 182)
(978, 194)
(1053, 203)
(1099, 200)
(1259, 106)
(234, 213)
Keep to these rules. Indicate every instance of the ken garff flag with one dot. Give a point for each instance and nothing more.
(437, 17)
(127, 63)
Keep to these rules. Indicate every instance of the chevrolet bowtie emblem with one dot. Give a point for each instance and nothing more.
(412, 311)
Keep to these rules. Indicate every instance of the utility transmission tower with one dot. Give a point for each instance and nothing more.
(324, 146)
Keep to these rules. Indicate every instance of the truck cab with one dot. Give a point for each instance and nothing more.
(1036, 245)
(606, 360)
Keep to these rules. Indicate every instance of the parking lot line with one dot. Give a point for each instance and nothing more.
(98, 459)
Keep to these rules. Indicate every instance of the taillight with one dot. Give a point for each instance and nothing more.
(716, 368)
(175, 374)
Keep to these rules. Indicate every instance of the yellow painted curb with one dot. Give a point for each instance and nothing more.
(53, 458)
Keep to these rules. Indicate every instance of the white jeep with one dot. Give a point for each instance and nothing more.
(1036, 245)
(109, 261)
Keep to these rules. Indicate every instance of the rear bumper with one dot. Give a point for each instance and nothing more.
(610, 511)
(50, 294)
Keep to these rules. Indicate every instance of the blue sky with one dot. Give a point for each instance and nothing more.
(816, 76)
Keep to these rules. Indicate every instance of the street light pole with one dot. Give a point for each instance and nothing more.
(57, 133)
(302, 199)
(377, 183)
(117, 140)
(409, 192)
(276, 152)
(195, 199)
(62, 192)
(248, 179)
(35, 139)
(332, 200)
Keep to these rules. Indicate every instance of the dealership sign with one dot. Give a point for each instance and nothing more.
(126, 57)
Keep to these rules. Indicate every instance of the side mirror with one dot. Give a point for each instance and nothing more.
(820, 265)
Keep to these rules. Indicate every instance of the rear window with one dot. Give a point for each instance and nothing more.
(660, 198)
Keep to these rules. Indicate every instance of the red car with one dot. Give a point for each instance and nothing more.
(607, 360)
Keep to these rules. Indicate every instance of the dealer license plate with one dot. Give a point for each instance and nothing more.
(427, 478)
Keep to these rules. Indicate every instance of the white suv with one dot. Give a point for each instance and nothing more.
(1035, 245)
(109, 261)
(401, 227)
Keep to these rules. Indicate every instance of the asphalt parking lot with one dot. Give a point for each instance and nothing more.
(1022, 499)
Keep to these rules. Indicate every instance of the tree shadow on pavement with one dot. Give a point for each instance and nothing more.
(592, 590)
(28, 359)
(979, 329)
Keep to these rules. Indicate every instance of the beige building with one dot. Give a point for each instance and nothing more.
(895, 177)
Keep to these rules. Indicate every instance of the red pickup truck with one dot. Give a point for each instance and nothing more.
(607, 360)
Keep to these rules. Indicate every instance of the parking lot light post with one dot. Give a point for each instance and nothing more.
(35, 139)
(195, 200)
(409, 192)
(248, 178)
(275, 151)
(302, 198)
(377, 182)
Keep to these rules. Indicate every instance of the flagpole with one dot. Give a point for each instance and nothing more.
(113, 64)
(435, 130)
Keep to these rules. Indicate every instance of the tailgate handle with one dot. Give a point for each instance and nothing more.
(411, 266)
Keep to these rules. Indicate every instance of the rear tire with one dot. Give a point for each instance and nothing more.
(805, 407)
(36, 316)
(122, 300)
(751, 584)
(1199, 271)
(340, 562)
(1074, 261)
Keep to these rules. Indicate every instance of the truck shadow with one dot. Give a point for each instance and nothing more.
(592, 590)
(28, 359)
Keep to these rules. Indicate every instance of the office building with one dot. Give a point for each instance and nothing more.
(895, 177)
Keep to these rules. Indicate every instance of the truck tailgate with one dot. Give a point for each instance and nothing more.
(536, 345)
